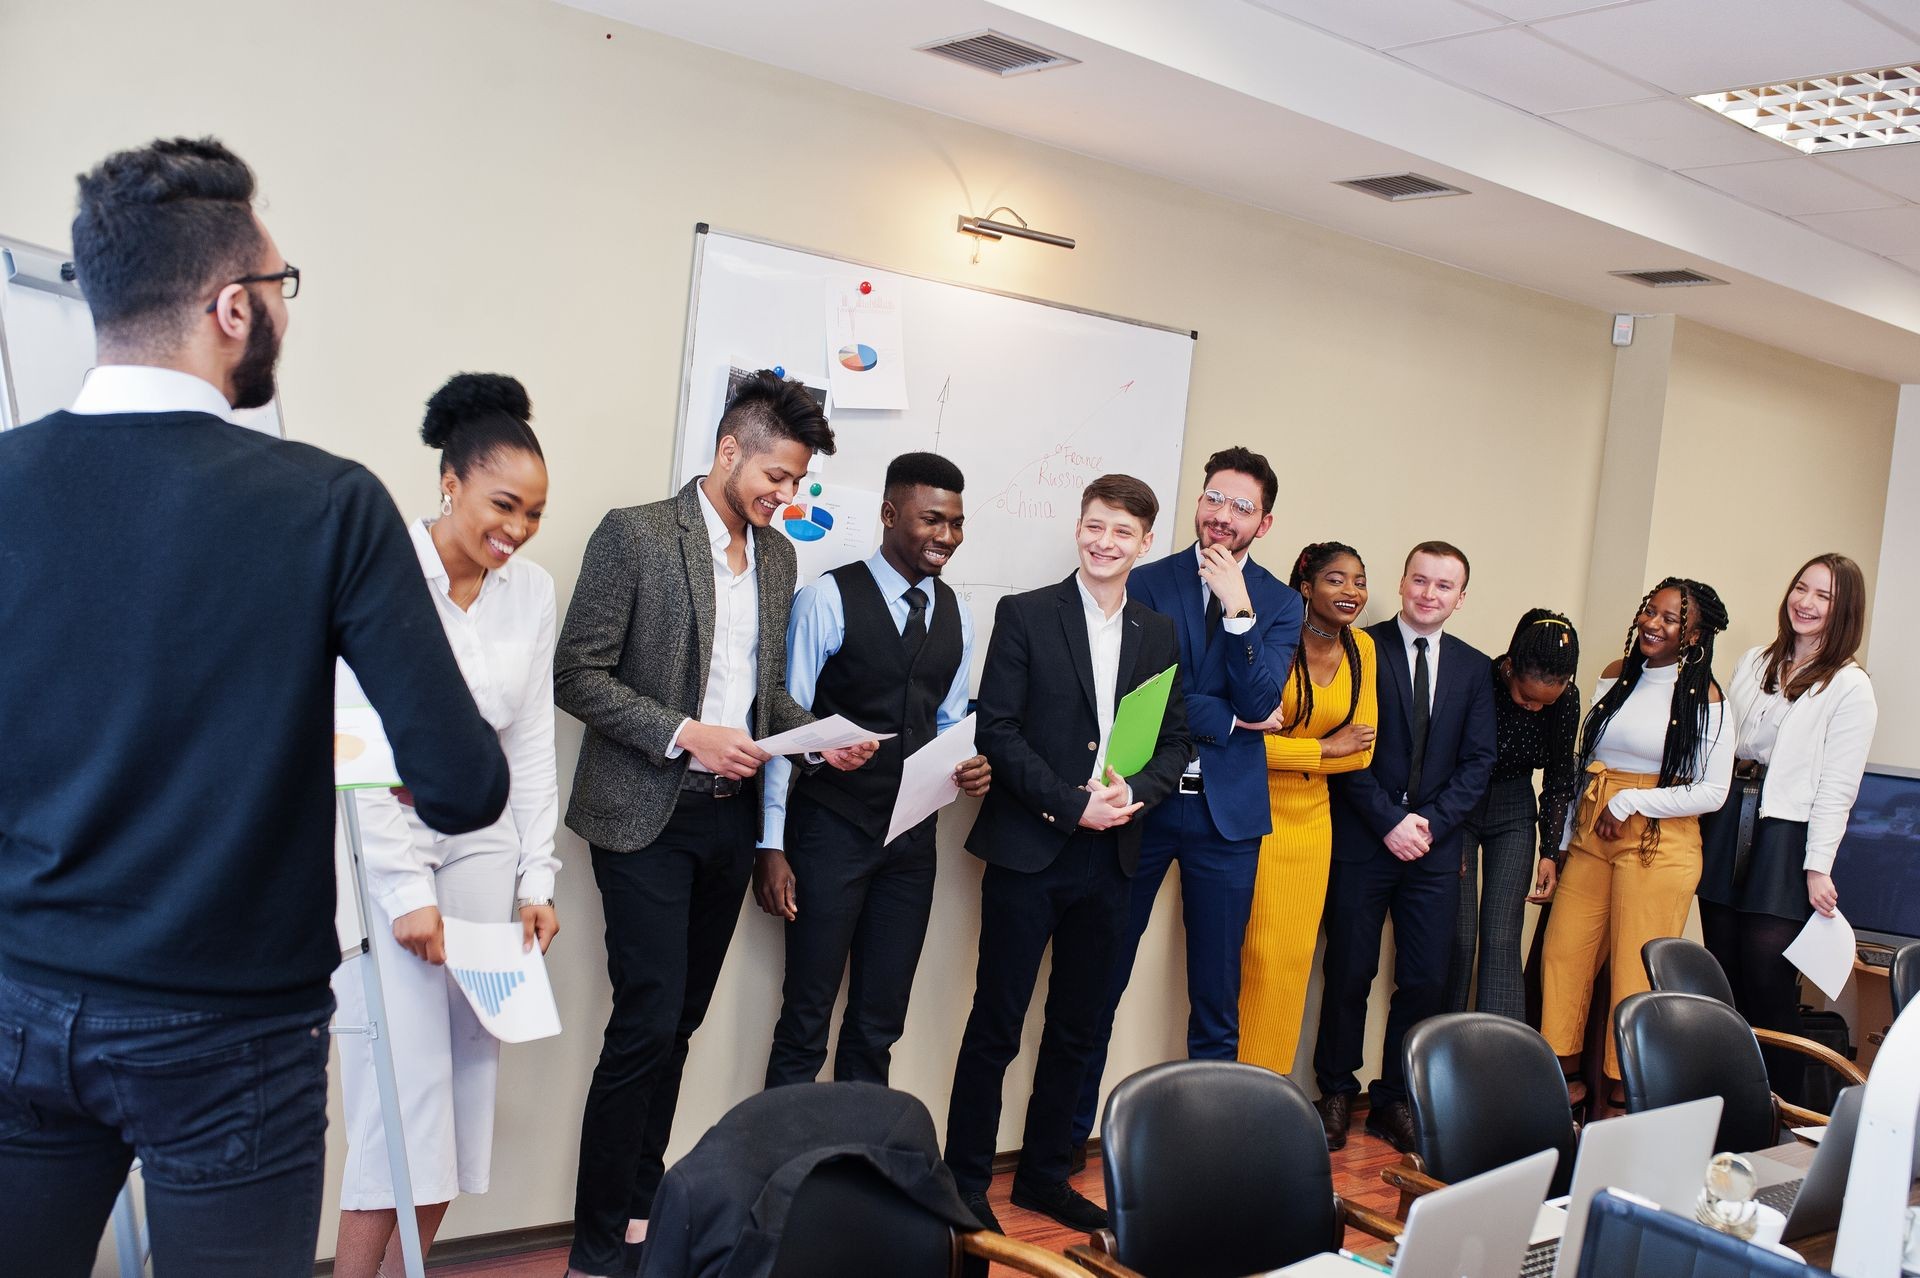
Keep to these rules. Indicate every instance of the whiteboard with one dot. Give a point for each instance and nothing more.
(1031, 400)
(46, 340)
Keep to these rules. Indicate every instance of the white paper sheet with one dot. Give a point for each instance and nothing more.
(506, 986)
(837, 525)
(362, 759)
(830, 733)
(1813, 1134)
(926, 778)
(864, 365)
(1824, 952)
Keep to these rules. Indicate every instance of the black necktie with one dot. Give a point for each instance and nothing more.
(1214, 613)
(916, 632)
(1422, 711)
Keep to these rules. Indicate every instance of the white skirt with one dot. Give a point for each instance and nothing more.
(446, 1066)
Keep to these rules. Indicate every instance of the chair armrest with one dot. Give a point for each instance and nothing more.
(1023, 1257)
(1367, 1220)
(1091, 1261)
(1817, 1051)
(1804, 1117)
(1409, 1176)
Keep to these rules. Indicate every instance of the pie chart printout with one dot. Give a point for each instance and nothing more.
(859, 357)
(804, 524)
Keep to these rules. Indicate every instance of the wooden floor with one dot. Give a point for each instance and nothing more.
(1356, 1177)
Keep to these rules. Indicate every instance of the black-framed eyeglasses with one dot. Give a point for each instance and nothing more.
(1241, 506)
(289, 283)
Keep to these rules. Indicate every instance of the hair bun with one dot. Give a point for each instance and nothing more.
(470, 395)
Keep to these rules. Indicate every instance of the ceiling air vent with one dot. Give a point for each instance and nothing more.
(1401, 186)
(998, 54)
(1679, 277)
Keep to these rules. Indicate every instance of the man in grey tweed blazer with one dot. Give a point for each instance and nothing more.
(674, 657)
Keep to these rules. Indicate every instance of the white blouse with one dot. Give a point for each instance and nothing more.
(504, 643)
(1635, 739)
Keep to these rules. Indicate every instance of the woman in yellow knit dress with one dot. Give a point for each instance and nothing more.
(1325, 724)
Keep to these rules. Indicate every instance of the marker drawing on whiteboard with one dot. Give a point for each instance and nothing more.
(1017, 501)
(945, 387)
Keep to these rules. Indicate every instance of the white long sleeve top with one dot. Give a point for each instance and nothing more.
(504, 643)
(1815, 748)
(1635, 738)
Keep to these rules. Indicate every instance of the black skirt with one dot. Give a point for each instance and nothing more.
(1766, 877)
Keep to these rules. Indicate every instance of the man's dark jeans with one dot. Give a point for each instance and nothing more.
(226, 1112)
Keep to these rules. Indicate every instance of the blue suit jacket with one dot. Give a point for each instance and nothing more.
(1236, 676)
(1458, 764)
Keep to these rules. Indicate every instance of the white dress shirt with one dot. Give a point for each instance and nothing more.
(1232, 625)
(143, 388)
(1407, 635)
(1103, 637)
(504, 644)
(733, 668)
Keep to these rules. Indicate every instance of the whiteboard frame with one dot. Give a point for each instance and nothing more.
(10, 409)
(701, 230)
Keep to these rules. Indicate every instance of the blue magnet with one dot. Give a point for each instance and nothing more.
(779, 371)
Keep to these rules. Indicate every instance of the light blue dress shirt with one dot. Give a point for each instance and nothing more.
(815, 629)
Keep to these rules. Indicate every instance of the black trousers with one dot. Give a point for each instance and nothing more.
(1079, 903)
(671, 908)
(863, 905)
(1766, 985)
(1423, 901)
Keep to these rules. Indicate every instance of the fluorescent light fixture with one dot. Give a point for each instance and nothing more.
(1847, 112)
(988, 229)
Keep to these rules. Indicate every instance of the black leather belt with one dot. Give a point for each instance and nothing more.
(1192, 783)
(1749, 776)
(709, 783)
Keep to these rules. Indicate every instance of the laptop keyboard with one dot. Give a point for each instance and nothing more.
(1540, 1258)
(1780, 1197)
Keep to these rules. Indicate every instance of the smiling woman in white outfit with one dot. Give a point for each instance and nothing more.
(498, 612)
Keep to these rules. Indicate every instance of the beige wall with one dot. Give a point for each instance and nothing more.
(495, 184)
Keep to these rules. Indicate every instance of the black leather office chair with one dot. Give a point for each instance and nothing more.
(1677, 965)
(847, 1219)
(1631, 1238)
(1904, 976)
(1681, 1047)
(1485, 1090)
(1216, 1169)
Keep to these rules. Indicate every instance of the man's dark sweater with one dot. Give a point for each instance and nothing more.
(173, 592)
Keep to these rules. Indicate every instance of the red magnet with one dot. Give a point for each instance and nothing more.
(865, 287)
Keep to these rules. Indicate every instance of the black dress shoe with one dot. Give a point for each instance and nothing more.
(1060, 1202)
(1393, 1123)
(977, 1204)
(1336, 1115)
(1077, 1160)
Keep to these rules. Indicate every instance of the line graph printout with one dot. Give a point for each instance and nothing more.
(507, 988)
(1032, 401)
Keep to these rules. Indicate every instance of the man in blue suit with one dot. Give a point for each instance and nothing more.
(1397, 841)
(1238, 626)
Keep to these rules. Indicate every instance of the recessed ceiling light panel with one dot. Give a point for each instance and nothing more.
(1830, 112)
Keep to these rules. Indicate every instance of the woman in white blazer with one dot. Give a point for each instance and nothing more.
(497, 610)
(1804, 715)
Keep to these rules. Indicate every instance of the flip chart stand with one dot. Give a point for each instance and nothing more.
(382, 1045)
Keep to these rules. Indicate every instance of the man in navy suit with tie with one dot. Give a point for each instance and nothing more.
(1397, 842)
(1238, 626)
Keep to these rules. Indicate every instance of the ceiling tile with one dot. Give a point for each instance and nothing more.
(1909, 260)
(1876, 230)
(1533, 10)
(1697, 46)
(1903, 14)
(1381, 24)
(1892, 168)
(1670, 132)
(1518, 67)
(1792, 186)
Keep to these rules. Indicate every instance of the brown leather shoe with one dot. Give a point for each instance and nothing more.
(1336, 1115)
(1393, 1123)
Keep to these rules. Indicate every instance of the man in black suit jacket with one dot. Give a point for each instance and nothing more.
(1060, 842)
(674, 656)
(1397, 841)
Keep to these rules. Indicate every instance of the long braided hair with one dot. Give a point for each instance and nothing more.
(1545, 646)
(1311, 562)
(1690, 724)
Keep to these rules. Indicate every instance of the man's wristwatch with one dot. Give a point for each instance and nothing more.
(521, 903)
(1245, 614)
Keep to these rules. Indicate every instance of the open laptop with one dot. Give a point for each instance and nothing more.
(1810, 1185)
(1477, 1226)
(1660, 1154)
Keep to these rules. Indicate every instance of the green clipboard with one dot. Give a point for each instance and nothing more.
(1136, 724)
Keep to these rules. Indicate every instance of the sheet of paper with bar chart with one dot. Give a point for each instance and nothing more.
(506, 986)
